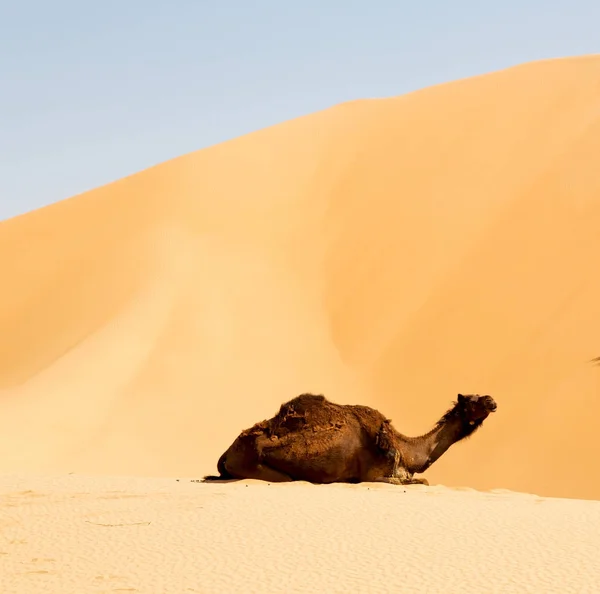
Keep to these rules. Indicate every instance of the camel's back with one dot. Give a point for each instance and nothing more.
(316, 412)
(368, 417)
(308, 410)
(304, 403)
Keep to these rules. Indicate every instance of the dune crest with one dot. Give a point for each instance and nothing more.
(388, 252)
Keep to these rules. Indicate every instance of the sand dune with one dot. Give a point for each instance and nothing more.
(390, 252)
(295, 537)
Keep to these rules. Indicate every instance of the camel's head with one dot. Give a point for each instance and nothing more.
(474, 409)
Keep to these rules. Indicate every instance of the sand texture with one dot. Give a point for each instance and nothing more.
(390, 252)
(159, 536)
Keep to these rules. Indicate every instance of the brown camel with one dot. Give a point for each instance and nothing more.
(315, 440)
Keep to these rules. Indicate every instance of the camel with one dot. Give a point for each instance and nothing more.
(315, 440)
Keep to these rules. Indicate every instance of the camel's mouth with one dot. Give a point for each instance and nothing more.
(492, 406)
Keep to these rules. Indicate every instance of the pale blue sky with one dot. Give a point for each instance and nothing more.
(94, 91)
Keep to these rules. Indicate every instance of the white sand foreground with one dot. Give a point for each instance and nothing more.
(78, 534)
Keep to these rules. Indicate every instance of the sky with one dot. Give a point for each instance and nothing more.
(91, 92)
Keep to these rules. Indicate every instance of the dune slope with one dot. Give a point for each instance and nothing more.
(390, 252)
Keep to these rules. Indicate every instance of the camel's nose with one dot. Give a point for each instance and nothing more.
(492, 404)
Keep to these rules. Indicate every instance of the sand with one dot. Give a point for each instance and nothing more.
(390, 252)
(160, 536)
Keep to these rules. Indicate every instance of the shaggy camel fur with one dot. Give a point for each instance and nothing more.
(315, 440)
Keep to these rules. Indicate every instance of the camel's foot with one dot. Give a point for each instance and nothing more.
(418, 481)
(394, 480)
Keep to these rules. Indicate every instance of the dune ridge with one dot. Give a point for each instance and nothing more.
(391, 252)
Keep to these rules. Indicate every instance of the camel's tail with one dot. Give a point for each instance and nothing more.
(213, 477)
(223, 474)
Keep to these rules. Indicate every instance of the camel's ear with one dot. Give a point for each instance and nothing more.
(460, 398)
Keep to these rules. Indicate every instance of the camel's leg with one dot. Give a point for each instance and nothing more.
(247, 467)
(406, 477)
(260, 472)
(266, 473)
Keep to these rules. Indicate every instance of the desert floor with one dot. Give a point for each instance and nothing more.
(76, 533)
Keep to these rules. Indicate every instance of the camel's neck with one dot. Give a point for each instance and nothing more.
(419, 453)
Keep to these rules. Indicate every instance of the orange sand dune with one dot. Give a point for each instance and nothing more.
(390, 252)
